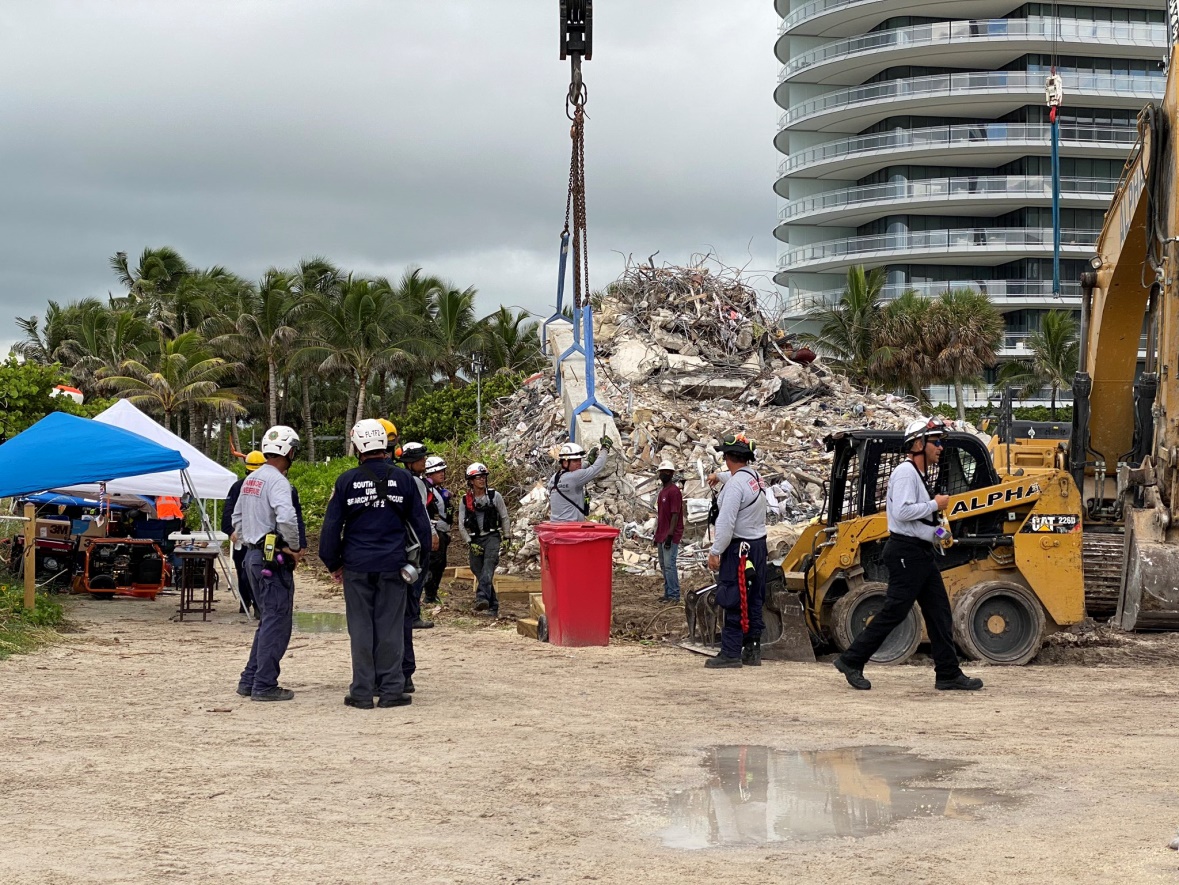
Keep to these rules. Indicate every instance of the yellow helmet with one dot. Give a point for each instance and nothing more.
(254, 460)
(391, 433)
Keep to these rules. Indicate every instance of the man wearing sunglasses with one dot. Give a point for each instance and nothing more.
(913, 574)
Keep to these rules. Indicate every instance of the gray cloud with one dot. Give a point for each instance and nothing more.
(378, 134)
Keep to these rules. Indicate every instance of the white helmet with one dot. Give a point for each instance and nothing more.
(924, 427)
(434, 464)
(569, 451)
(477, 469)
(666, 465)
(413, 452)
(280, 440)
(369, 436)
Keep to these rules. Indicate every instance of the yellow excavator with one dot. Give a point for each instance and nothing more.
(1044, 530)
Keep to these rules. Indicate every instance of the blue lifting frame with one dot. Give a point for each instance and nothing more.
(559, 315)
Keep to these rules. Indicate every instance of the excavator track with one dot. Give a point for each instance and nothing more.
(1101, 556)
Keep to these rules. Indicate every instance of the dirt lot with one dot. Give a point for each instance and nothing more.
(128, 758)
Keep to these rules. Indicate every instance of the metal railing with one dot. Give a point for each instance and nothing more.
(1020, 238)
(812, 10)
(1001, 290)
(962, 135)
(1144, 87)
(975, 394)
(931, 189)
(1148, 36)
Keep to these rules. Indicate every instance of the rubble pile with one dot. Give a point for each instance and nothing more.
(684, 357)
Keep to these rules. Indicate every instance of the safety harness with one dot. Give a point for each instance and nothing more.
(490, 514)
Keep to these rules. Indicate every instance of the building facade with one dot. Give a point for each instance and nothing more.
(916, 139)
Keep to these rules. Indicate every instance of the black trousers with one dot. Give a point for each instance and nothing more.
(913, 576)
(375, 607)
(741, 594)
(437, 566)
(244, 590)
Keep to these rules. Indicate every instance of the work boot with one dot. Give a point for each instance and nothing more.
(419, 624)
(482, 605)
(244, 690)
(494, 612)
(722, 662)
(855, 677)
(358, 703)
(432, 600)
(275, 694)
(399, 701)
(961, 682)
(409, 689)
(751, 652)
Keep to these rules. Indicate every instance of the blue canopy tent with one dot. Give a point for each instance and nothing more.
(62, 450)
(49, 498)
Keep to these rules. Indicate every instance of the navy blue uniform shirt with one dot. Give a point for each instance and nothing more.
(230, 501)
(364, 534)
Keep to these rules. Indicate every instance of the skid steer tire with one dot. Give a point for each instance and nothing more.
(999, 622)
(852, 612)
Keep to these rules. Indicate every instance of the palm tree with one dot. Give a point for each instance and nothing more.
(159, 272)
(42, 342)
(457, 335)
(1055, 357)
(907, 362)
(966, 329)
(513, 342)
(358, 334)
(416, 292)
(264, 327)
(179, 374)
(847, 329)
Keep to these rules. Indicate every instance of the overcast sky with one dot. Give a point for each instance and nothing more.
(377, 133)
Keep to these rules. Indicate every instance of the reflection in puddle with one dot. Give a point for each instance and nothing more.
(320, 622)
(756, 795)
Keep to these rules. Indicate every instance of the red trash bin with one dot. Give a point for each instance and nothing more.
(577, 580)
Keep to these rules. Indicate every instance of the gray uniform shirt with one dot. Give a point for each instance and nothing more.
(265, 504)
(505, 527)
(908, 503)
(742, 509)
(567, 491)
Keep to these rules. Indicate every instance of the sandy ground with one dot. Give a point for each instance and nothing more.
(129, 758)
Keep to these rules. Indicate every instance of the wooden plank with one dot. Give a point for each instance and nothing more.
(526, 627)
(536, 605)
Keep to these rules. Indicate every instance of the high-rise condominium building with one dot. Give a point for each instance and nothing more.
(916, 139)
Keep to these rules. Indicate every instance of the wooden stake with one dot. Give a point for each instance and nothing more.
(30, 557)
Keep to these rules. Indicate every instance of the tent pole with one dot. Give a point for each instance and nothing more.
(30, 557)
(207, 527)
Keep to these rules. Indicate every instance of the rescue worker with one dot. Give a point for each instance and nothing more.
(413, 456)
(669, 530)
(738, 554)
(483, 523)
(394, 446)
(568, 501)
(439, 510)
(910, 555)
(253, 461)
(267, 505)
(363, 543)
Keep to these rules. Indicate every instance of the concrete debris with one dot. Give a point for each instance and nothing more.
(685, 356)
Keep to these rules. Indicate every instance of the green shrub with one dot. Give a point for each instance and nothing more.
(451, 413)
(23, 630)
(315, 483)
(1064, 414)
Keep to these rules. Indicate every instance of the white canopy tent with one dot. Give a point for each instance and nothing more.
(209, 480)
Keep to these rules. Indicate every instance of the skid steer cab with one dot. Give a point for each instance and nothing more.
(1013, 567)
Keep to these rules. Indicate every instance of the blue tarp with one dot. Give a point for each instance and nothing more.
(62, 450)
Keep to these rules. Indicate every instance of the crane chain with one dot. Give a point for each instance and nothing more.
(575, 203)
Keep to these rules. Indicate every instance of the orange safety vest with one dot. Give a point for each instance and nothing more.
(168, 508)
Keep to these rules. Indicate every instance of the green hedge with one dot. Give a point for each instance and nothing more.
(22, 630)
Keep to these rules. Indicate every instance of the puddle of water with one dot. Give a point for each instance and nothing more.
(320, 622)
(757, 795)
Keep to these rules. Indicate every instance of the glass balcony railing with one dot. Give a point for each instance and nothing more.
(1031, 239)
(962, 87)
(973, 393)
(1147, 36)
(1028, 187)
(813, 10)
(999, 290)
(960, 136)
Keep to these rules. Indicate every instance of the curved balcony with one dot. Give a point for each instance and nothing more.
(981, 246)
(859, 58)
(862, 106)
(983, 144)
(842, 18)
(854, 206)
(1014, 294)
